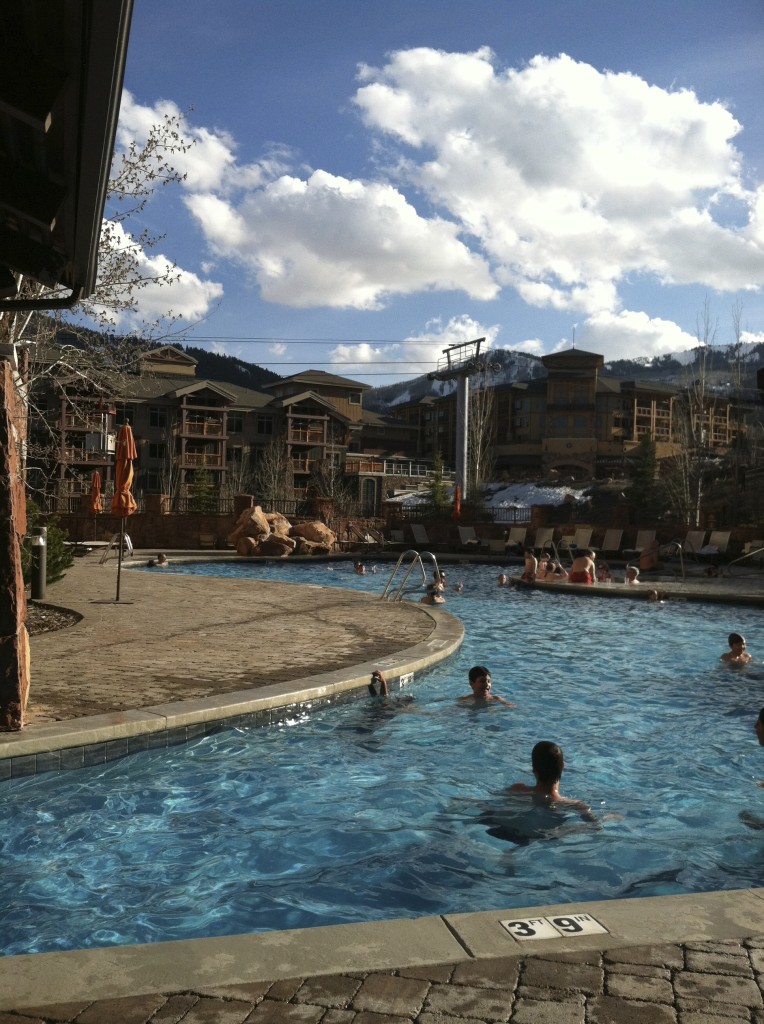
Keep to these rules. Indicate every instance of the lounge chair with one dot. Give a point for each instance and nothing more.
(468, 537)
(544, 538)
(397, 538)
(580, 540)
(717, 546)
(611, 542)
(496, 547)
(516, 538)
(644, 537)
(693, 542)
(420, 535)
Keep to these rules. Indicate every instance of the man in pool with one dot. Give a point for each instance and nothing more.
(480, 681)
(737, 654)
(548, 763)
(530, 566)
(582, 570)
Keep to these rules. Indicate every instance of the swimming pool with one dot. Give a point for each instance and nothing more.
(371, 810)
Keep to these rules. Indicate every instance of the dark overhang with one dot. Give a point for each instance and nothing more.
(62, 65)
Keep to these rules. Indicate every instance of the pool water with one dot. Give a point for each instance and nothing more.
(382, 809)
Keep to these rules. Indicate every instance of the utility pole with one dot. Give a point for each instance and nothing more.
(459, 363)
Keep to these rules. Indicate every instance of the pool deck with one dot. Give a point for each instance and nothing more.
(178, 650)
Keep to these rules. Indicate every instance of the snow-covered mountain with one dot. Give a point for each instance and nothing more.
(723, 365)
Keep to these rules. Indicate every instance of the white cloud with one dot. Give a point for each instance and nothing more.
(159, 289)
(279, 349)
(570, 178)
(630, 334)
(333, 241)
(419, 353)
(533, 346)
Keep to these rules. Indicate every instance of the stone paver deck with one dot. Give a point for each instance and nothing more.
(676, 960)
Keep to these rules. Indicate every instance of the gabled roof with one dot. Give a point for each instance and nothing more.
(283, 403)
(203, 385)
(313, 377)
(157, 386)
(168, 354)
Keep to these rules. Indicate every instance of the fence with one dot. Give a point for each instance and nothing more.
(513, 514)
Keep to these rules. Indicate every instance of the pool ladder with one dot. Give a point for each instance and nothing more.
(389, 593)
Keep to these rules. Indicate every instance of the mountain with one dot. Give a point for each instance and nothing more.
(229, 369)
(726, 367)
(509, 367)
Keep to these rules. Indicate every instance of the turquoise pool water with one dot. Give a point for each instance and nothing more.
(378, 810)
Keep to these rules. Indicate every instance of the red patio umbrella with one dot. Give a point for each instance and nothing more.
(123, 503)
(457, 503)
(96, 505)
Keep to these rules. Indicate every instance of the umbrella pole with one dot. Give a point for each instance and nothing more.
(119, 552)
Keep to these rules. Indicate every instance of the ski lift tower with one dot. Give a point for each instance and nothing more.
(459, 363)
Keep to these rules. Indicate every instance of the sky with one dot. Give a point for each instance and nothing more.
(371, 181)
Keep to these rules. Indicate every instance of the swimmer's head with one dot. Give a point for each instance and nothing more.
(547, 762)
(736, 640)
(480, 680)
(632, 572)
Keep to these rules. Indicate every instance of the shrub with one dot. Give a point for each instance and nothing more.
(58, 557)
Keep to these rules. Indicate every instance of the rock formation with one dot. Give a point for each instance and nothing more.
(269, 533)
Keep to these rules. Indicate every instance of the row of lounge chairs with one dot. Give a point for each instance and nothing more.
(693, 545)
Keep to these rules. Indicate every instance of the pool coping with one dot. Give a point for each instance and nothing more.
(121, 733)
(199, 965)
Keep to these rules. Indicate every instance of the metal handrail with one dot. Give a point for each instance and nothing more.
(416, 559)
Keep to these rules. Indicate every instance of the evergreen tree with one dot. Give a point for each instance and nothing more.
(58, 557)
(438, 502)
(645, 492)
(202, 492)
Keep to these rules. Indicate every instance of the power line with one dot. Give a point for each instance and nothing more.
(280, 340)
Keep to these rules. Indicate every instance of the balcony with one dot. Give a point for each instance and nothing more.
(208, 459)
(306, 437)
(83, 455)
(200, 428)
(94, 422)
(303, 465)
(386, 467)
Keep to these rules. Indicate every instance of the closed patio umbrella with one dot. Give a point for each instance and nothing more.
(457, 511)
(96, 505)
(123, 503)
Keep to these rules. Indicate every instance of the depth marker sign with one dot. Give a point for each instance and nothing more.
(553, 927)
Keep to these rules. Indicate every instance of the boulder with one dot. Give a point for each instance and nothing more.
(307, 547)
(251, 523)
(247, 546)
(279, 524)
(277, 545)
(316, 533)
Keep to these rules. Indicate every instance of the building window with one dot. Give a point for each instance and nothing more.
(157, 416)
(265, 424)
(355, 398)
(235, 422)
(157, 451)
(124, 414)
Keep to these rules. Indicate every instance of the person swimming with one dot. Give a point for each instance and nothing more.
(480, 682)
(737, 654)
